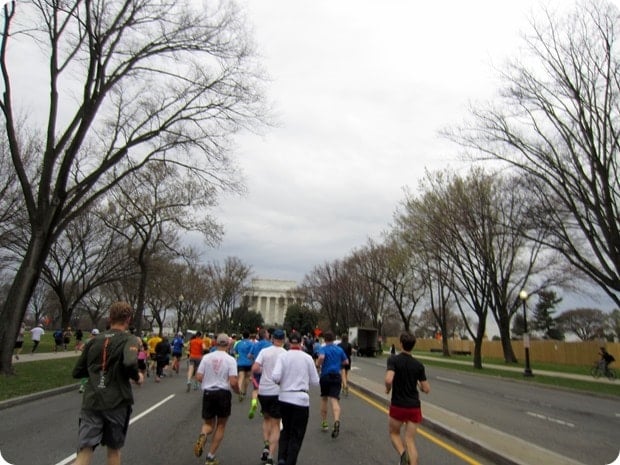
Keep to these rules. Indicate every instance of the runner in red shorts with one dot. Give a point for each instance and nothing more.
(403, 377)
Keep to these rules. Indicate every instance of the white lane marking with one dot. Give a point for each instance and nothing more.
(448, 380)
(552, 420)
(136, 418)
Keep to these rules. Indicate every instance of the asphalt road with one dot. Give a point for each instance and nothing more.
(166, 421)
(581, 426)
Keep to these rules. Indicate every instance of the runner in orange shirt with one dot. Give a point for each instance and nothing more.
(196, 351)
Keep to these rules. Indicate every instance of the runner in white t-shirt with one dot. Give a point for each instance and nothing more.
(268, 394)
(36, 333)
(217, 373)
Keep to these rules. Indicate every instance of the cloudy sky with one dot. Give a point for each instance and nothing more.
(360, 89)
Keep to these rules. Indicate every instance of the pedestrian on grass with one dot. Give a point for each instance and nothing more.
(217, 374)
(19, 341)
(36, 334)
(66, 337)
(79, 335)
(109, 361)
(295, 372)
(403, 377)
(57, 339)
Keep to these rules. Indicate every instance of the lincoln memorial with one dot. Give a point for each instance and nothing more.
(270, 298)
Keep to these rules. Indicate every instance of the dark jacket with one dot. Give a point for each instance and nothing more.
(109, 361)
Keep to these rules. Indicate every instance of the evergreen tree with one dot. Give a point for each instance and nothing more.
(542, 318)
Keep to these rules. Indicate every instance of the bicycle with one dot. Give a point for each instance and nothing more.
(597, 371)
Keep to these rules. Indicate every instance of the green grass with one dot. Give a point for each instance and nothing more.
(37, 376)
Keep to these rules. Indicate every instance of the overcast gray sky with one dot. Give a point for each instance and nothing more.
(360, 89)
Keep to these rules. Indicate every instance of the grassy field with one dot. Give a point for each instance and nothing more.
(37, 376)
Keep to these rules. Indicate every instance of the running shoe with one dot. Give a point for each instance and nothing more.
(265, 455)
(336, 430)
(212, 461)
(252, 411)
(404, 458)
(324, 426)
(269, 461)
(199, 445)
(189, 386)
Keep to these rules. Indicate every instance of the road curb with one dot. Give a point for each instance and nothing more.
(37, 395)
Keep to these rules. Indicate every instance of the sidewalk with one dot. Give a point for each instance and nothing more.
(30, 357)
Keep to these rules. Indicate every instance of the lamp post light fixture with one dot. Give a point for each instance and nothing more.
(526, 336)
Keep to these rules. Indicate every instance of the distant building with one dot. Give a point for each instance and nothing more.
(270, 298)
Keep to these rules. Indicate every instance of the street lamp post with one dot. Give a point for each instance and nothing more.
(526, 336)
(180, 302)
(380, 324)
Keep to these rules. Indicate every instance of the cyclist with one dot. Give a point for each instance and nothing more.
(606, 360)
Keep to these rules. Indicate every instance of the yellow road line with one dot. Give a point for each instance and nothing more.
(431, 437)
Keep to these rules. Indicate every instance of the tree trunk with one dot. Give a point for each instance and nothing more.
(16, 303)
(509, 355)
(139, 311)
(478, 344)
(444, 338)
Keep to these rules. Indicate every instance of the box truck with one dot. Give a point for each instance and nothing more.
(365, 341)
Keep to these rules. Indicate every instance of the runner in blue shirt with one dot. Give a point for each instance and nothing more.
(331, 359)
(244, 363)
(178, 343)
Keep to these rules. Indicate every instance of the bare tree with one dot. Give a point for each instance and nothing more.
(130, 82)
(401, 278)
(586, 323)
(444, 215)
(436, 272)
(368, 267)
(228, 282)
(149, 207)
(558, 123)
(87, 255)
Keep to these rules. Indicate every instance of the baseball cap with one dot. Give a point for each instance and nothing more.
(278, 334)
(222, 339)
(294, 337)
(94, 332)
